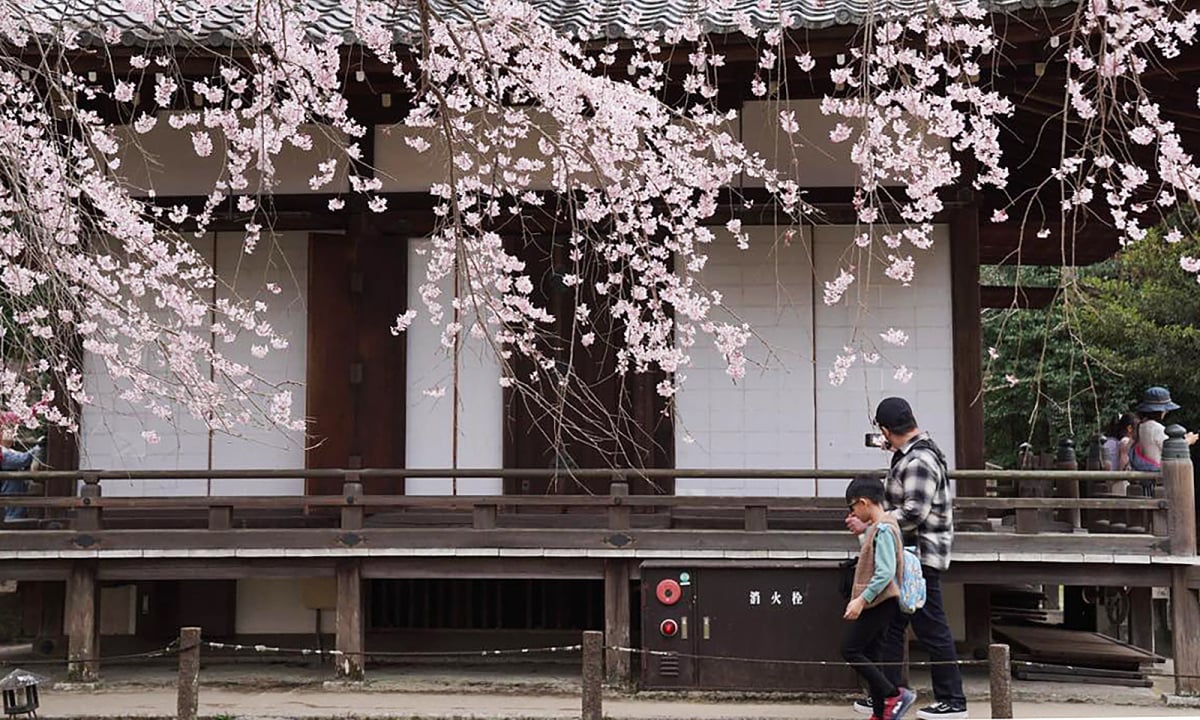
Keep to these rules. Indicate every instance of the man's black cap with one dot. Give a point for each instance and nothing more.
(894, 413)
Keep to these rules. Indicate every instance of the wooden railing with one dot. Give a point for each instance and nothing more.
(549, 517)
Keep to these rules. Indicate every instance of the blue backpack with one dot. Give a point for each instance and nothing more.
(912, 583)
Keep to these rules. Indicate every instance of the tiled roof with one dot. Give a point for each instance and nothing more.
(185, 22)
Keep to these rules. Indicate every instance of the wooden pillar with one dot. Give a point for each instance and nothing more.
(967, 345)
(350, 633)
(83, 640)
(616, 620)
(1141, 617)
(967, 350)
(977, 600)
(1185, 629)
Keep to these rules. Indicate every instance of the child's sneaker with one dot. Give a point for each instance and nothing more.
(862, 706)
(895, 706)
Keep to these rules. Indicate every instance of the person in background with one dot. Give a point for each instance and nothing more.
(873, 606)
(1145, 452)
(1115, 450)
(16, 460)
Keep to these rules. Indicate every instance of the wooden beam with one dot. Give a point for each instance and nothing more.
(1024, 298)
(82, 627)
(441, 538)
(350, 626)
(617, 622)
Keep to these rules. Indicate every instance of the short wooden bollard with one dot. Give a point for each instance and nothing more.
(593, 672)
(1000, 666)
(188, 705)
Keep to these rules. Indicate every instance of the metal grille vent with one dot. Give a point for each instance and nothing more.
(668, 666)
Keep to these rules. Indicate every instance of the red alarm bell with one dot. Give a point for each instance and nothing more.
(668, 592)
(668, 627)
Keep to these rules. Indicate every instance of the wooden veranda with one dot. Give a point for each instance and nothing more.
(358, 535)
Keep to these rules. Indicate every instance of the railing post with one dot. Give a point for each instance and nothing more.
(593, 660)
(1180, 491)
(483, 517)
(618, 511)
(1000, 667)
(87, 516)
(220, 517)
(756, 518)
(1028, 519)
(1067, 460)
(352, 511)
(188, 698)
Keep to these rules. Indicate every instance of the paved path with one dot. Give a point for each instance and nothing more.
(152, 702)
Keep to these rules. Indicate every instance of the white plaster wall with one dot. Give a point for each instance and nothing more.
(808, 155)
(280, 260)
(153, 161)
(429, 420)
(764, 420)
(270, 606)
(872, 305)
(402, 169)
(111, 433)
(111, 429)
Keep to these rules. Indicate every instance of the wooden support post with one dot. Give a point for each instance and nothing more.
(616, 620)
(978, 602)
(352, 511)
(1000, 667)
(1185, 629)
(1180, 492)
(593, 658)
(83, 648)
(483, 517)
(220, 517)
(756, 518)
(1141, 617)
(87, 517)
(188, 697)
(618, 512)
(967, 348)
(349, 621)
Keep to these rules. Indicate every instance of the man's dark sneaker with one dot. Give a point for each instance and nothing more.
(862, 706)
(943, 711)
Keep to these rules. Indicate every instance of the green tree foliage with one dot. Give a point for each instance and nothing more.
(1114, 329)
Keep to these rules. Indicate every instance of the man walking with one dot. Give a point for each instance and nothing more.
(917, 495)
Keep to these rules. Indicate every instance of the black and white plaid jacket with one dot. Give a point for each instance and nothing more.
(918, 496)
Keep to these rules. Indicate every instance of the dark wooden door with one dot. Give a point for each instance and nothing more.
(357, 284)
(598, 418)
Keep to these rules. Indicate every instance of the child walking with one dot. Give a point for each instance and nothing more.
(873, 604)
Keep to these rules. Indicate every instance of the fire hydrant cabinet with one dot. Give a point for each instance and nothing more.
(743, 626)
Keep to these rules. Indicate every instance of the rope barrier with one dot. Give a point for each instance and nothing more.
(821, 663)
(173, 649)
(394, 654)
(167, 651)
